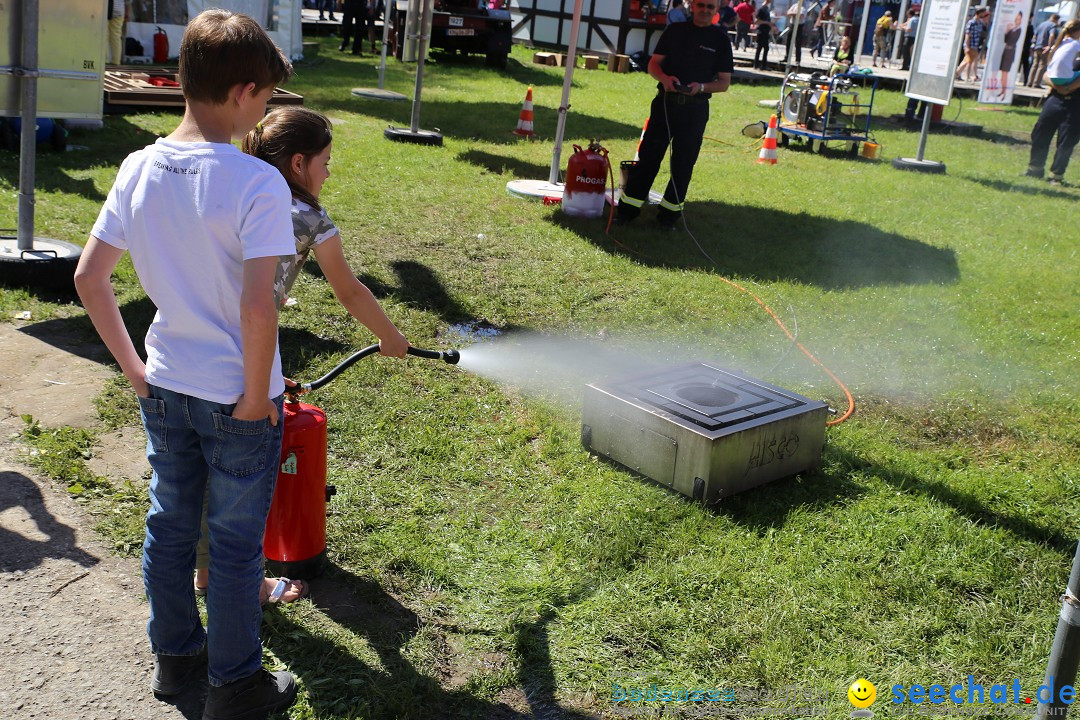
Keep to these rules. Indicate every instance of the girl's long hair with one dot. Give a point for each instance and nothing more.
(285, 132)
(1070, 27)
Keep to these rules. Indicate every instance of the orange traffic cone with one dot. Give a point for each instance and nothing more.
(768, 147)
(640, 140)
(525, 119)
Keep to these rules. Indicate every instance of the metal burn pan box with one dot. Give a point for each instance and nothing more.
(703, 431)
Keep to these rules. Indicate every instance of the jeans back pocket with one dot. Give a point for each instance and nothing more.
(242, 446)
(153, 417)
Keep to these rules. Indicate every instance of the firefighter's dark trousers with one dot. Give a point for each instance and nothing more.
(682, 120)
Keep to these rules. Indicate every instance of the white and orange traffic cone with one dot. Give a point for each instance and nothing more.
(768, 146)
(641, 139)
(525, 119)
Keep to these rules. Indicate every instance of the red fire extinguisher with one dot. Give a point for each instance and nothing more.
(295, 539)
(161, 46)
(586, 181)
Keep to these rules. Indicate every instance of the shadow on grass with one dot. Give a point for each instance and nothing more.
(524, 73)
(53, 171)
(418, 286)
(500, 164)
(76, 335)
(966, 504)
(489, 121)
(767, 506)
(1005, 186)
(771, 244)
(342, 684)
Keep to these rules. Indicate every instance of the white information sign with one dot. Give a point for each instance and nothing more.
(937, 47)
(939, 38)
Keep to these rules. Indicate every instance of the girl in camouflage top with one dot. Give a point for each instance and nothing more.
(297, 141)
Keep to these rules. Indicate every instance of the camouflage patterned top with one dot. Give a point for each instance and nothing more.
(311, 227)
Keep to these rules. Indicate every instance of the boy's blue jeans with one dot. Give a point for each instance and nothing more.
(193, 444)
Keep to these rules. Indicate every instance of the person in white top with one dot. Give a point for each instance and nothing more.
(1060, 113)
(298, 141)
(206, 226)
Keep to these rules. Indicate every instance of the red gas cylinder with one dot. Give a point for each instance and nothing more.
(161, 46)
(586, 182)
(295, 538)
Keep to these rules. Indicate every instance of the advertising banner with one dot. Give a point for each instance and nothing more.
(1011, 18)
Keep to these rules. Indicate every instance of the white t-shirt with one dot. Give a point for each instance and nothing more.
(190, 214)
(1061, 64)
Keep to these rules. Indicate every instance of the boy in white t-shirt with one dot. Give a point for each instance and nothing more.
(206, 226)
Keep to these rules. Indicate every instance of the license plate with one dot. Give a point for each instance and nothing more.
(460, 31)
(456, 21)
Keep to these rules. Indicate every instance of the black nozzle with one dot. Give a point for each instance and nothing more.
(450, 356)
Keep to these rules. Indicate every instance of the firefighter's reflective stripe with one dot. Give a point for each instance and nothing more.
(633, 202)
(671, 206)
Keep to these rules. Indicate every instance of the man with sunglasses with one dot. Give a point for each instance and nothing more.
(692, 61)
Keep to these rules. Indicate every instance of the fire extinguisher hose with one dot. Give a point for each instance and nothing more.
(449, 356)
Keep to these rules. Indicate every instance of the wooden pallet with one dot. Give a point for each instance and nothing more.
(132, 86)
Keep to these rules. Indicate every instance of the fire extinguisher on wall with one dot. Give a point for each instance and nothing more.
(161, 45)
(586, 181)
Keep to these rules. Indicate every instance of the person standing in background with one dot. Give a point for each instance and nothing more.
(745, 12)
(824, 18)
(117, 10)
(764, 31)
(881, 38)
(677, 13)
(974, 35)
(1025, 53)
(1044, 37)
(910, 29)
(1061, 112)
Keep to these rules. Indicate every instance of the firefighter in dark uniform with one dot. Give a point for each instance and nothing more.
(692, 61)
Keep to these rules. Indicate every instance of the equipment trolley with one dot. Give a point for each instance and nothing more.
(818, 109)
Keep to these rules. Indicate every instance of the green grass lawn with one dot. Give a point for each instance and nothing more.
(485, 565)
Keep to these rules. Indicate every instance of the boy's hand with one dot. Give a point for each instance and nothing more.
(394, 346)
(255, 409)
(142, 389)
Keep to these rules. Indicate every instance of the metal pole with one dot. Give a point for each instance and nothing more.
(898, 34)
(793, 31)
(28, 136)
(385, 37)
(1065, 652)
(564, 104)
(927, 112)
(422, 38)
(862, 32)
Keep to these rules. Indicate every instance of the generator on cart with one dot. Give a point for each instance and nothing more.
(460, 26)
(818, 109)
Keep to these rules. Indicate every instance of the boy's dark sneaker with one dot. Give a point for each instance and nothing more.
(172, 672)
(1034, 172)
(253, 698)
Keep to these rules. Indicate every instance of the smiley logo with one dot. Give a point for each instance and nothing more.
(862, 693)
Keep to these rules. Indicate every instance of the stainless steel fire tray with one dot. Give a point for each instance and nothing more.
(703, 431)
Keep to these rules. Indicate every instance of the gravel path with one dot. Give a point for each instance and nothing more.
(73, 613)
